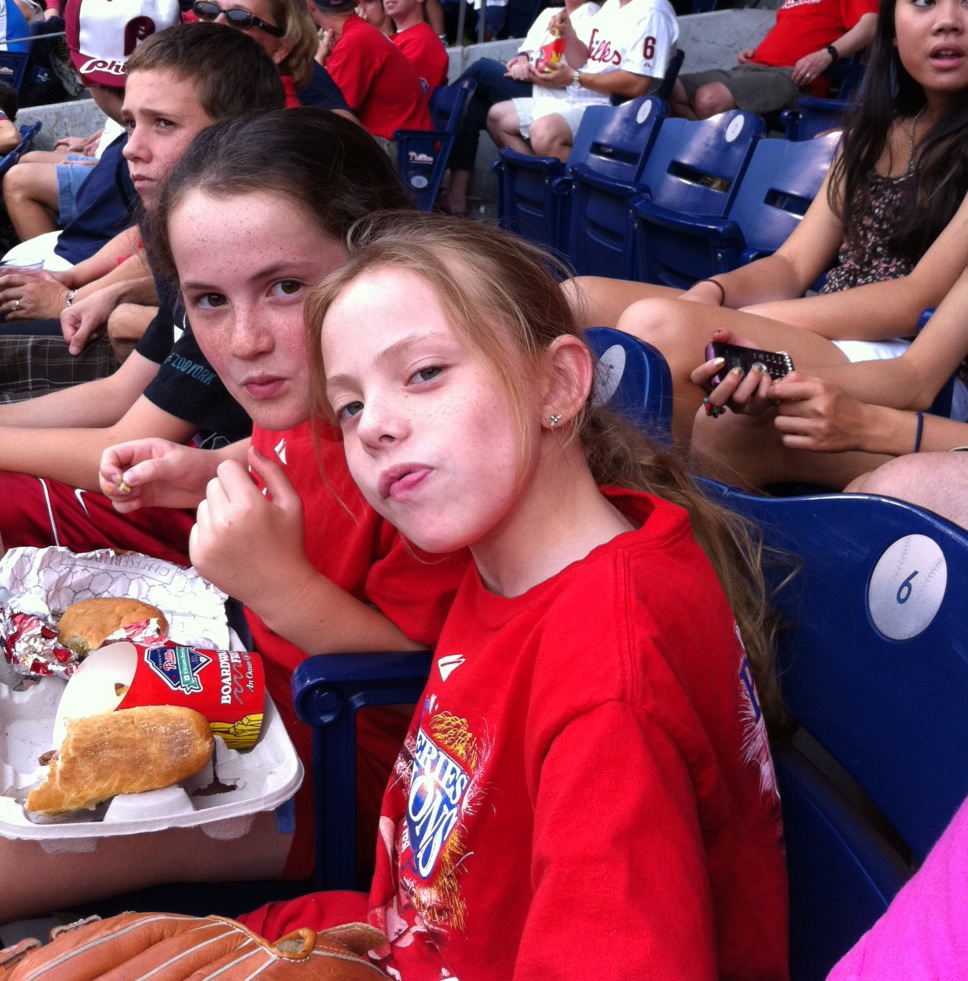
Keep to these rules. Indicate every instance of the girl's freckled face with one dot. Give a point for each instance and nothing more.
(429, 432)
(245, 265)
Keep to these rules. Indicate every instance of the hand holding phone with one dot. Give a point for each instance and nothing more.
(777, 363)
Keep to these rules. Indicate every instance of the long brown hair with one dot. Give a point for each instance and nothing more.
(500, 297)
(940, 179)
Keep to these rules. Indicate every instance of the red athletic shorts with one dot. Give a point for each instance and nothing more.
(37, 513)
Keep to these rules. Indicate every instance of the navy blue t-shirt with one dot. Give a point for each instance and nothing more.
(106, 205)
(322, 92)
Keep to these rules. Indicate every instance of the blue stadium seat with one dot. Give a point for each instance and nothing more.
(27, 136)
(677, 248)
(692, 166)
(875, 670)
(633, 378)
(13, 67)
(422, 155)
(534, 193)
(813, 117)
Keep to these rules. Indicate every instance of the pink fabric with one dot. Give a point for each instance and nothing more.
(924, 934)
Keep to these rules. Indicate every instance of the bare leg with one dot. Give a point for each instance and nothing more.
(679, 104)
(712, 99)
(680, 329)
(747, 451)
(599, 302)
(30, 194)
(504, 127)
(126, 325)
(36, 882)
(551, 136)
(44, 156)
(460, 182)
(435, 16)
(936, 481)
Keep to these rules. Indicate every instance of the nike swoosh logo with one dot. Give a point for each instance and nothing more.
(78, 492)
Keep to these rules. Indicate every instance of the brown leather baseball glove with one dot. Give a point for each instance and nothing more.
(170, 947)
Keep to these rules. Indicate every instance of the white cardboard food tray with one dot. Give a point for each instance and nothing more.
(262, 779)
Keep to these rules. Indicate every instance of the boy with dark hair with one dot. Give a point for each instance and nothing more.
(101, 36)
(114, 284)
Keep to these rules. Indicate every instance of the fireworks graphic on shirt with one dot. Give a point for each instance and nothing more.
(756, 744)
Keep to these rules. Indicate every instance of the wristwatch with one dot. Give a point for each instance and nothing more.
(833, 52)
(576, 80)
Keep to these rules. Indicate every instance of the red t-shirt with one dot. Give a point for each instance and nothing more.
(292, 100)
(805, 26)
(586, 789)
(379, 84)
(356, 549)
(426, 52)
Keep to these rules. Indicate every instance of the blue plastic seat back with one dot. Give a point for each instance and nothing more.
(633, 378)
(781, 180)
(695, 177)
(446, 105)
(777, 189)
(875, 669)
(422, 155)
(608, 177)
(843, 872)
(813, 117)
(534, 195)
(664, 91)
(623, 140)
(702, 173)
(27, 136)
(879, 671)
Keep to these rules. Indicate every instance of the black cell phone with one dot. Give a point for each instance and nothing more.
(778, 363)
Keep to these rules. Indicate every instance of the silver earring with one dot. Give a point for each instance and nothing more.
(554, 419)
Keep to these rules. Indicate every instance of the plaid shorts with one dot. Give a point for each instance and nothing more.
(31, 365)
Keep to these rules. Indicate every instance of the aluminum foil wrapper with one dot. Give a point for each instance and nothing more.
(37, 585)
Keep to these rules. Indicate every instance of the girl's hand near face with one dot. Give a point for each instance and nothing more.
(749, 393)
(250, 544)
(157, 473)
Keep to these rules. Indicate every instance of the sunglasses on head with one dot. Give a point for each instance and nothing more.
(205, 10)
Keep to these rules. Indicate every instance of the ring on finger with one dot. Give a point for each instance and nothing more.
(712, 410)
(16, 304)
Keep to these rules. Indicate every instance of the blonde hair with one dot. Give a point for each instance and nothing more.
(500, 297)
(294, 17)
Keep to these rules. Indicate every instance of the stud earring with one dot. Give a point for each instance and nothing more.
(554, 419)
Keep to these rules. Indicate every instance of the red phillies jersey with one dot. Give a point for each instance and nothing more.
(586, 789)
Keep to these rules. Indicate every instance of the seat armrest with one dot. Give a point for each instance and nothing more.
(327, 691)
